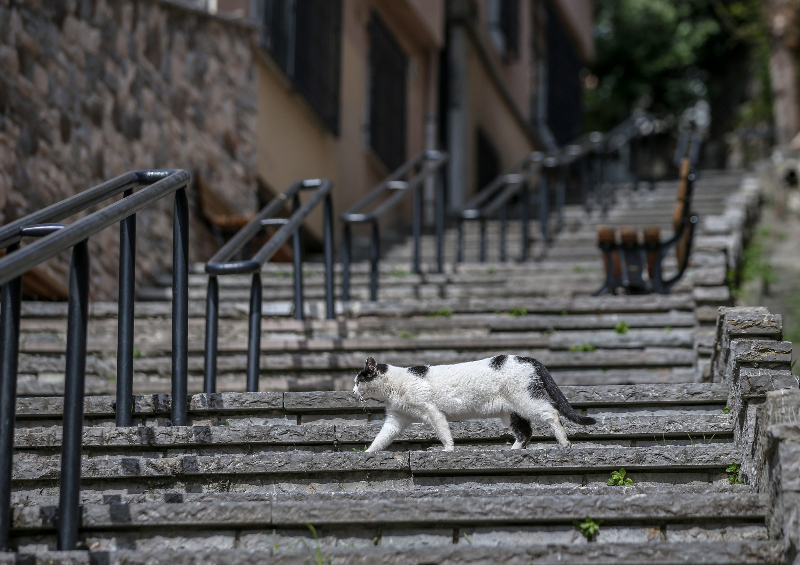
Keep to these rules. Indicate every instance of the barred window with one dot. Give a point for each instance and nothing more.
(387, 95)
(304, 38)
(503, 26)
(564, 94)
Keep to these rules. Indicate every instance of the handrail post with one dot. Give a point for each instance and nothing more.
(212, 332)
(254, 334)
(523, 221)
(74, 378)
(482, 223)
(586, 180)
(346, 250)
(440, 219)
(503, 225)
(543, 205)
(330, 307)
(416, 226)
(9, 359)
(560, 197)
(374, 253)
(297, 256)
(180, 308)
(460, 241)
(127, 286)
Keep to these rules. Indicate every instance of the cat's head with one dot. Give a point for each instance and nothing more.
(364, 379)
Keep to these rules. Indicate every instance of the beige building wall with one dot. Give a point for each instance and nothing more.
(293, 143)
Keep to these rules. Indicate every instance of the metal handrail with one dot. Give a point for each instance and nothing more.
(56, 238)
(221, 264)
(426, 165)
(548, 167)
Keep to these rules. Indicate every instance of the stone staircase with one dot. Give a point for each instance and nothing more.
(280, 476)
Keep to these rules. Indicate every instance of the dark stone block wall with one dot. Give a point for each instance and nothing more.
(90, 89)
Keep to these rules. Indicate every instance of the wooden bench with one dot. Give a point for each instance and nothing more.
(626, 257)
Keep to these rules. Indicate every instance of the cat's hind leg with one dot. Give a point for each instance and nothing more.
(392, 427)
(553, 418)
(521, 428)
(533, 409)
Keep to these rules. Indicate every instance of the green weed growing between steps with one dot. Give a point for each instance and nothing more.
(317, 555)
(589, 528)
(441, 313)
(733, 474)
(618, 479)
(582, 347)
(622, 327)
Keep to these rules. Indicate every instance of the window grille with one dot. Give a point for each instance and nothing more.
(387, 95)
(304, 38)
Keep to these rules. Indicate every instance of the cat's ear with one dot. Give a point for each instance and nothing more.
(371, 366)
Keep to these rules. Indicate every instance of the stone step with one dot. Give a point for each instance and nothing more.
(489, 552)
(339, 363)
(357, 309)
(339, 433)
(419, 493)
(385, 521)
(306, 407)
(37, 330)
(152, 344)
(304, 379)
(309, 471)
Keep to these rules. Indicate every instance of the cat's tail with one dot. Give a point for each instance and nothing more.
(559, 400)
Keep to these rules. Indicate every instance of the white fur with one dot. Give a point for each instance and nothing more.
(456, 392)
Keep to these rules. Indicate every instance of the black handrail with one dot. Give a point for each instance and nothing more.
(221, 264)
(56, 238)
(428, 164)
(495, 198)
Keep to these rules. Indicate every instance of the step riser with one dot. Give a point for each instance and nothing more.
(395, 536)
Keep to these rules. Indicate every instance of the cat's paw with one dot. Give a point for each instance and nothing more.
(566, 445)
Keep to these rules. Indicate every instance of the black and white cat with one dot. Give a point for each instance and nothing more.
(515, 389)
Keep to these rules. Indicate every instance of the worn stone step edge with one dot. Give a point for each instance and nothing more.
(619, 508)
(656, 553)
(607, 339)
(296, 462)
(418, 493)
(510, 321)
(346, 402)
(578, 305)
(292, 434)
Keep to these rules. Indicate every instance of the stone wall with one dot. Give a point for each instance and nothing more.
(90, 89)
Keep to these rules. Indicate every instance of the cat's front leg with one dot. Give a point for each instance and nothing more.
(392, 427)
(438, 420)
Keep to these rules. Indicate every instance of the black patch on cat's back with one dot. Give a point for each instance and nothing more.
(497, 362)
(418, 370)
(383, 368)
(535, 385)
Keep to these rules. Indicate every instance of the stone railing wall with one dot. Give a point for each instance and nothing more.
(764, 401)
(90, 90)
(777, 458)
(751, 359)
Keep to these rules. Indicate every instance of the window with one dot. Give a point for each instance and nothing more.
(304, 39)
(503, 25)
(387, 95)
(564, 94)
